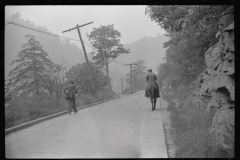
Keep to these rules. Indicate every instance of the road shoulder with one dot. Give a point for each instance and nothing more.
(171, 148)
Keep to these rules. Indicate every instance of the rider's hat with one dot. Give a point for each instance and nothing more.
(149, 69)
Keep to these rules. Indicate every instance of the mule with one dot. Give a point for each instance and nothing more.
(152, 93)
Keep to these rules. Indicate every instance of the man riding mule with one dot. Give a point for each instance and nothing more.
(151, 78)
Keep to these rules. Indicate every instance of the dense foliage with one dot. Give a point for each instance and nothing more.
(35, 87)
(106, 42)
(51, 75)
(32, 66)
(192, 30)
(79, 74)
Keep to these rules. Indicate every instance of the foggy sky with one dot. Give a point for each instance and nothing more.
(130, 21)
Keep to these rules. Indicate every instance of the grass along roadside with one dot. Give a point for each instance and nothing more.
(191, 132)
(25, 109)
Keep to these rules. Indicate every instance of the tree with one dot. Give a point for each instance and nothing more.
(163, 72)
(32, 64)
(192, 30)
(138, 75)
(54, 79)
(78, 73)
(8, 97)
(105, 40)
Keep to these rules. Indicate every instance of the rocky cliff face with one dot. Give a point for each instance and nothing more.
(216, 89)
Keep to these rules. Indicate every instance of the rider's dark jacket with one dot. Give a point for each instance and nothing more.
(151, 77)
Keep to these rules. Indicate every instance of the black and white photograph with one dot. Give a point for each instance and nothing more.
(119, 81)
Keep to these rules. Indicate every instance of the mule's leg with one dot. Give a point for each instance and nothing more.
(155, 100)
(152, 104)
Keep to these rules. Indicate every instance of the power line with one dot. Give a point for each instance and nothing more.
(89, 45)
(55, 36)
(119, 62)
(124, 64)
(40, 31)
(63, 15)
(9, 22)
(87, 12)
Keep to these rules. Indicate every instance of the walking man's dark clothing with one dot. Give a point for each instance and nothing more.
(151, 78)
(71, 91)
(71, 105)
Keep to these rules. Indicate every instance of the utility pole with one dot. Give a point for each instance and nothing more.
(85, 55)
(122, 84)
(134, 85)
(107, 71)
(131, 74)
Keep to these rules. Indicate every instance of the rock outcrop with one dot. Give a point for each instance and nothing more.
(217, 84)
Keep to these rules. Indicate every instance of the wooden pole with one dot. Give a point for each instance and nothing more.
(131, 73)
(122, 84)
(85, 55)
(107, 71)
(86, 58)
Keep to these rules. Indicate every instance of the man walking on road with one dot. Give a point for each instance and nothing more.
(70, 92)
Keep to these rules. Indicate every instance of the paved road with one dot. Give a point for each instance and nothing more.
(122, 128)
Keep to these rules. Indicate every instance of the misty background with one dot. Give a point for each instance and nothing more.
(142, 36)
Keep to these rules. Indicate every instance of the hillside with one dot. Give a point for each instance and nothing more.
(149, 49)
(56, 48)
